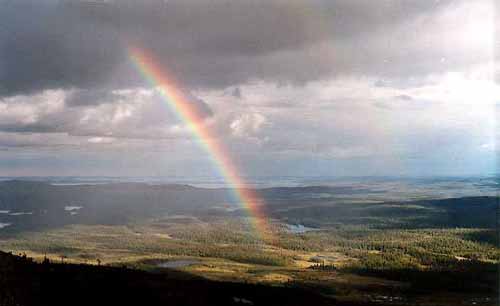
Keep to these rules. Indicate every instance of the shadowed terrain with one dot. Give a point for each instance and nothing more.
(23, 282)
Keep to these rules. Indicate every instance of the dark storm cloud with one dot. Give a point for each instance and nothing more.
(83, 44)
(46, 45)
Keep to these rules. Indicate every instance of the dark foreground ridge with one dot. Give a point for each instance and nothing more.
(24, 282)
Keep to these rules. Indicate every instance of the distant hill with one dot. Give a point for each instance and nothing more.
(32, 206)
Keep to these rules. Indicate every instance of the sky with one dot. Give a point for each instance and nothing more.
(291, 88)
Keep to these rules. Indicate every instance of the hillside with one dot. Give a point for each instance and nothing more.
(26, 283)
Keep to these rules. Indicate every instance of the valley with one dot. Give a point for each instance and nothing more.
(428, 250)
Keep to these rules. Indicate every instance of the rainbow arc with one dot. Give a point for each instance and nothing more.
(177, 101)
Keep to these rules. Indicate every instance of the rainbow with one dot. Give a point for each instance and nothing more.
(177, 101)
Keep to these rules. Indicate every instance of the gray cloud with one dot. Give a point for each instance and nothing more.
(86, 97)
(404, 97)
(46, 46)
(237, 93)
(202, 108)
(71, 44)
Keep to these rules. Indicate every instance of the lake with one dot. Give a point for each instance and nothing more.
(2, 225)
(299, 228)
(177, 263)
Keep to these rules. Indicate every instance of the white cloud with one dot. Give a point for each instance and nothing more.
(100, 140)
(29, 109)
(247, 124)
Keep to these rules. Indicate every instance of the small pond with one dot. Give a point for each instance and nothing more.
(299, 228)
(2, 225)
(177, 263)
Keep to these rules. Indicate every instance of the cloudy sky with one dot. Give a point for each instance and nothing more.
(299, 88)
